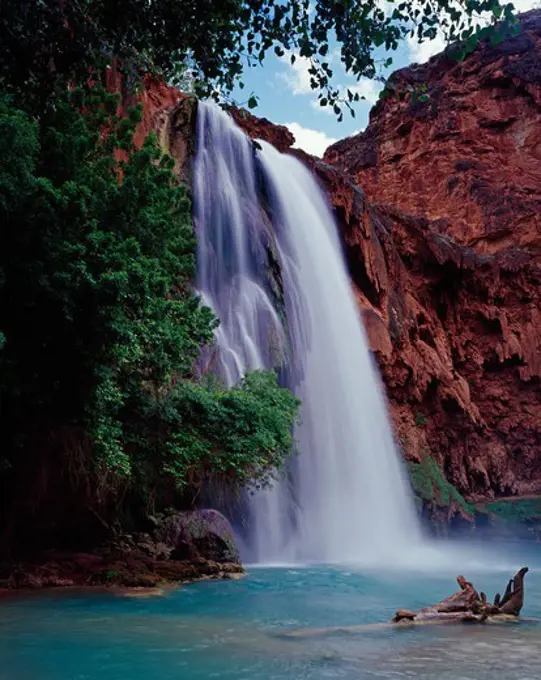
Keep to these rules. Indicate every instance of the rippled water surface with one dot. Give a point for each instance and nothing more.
(234, 630)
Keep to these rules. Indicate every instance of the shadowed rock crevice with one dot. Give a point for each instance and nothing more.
(179, 548)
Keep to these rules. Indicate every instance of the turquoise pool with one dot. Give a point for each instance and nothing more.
(233, 630)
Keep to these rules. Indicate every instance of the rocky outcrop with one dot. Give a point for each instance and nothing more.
(469, 157)
(205, 531)
(261, 128)
(179, 548)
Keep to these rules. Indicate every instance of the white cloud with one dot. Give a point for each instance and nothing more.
(369, 89)
(312, 141)
(296, 78)
(419, 53)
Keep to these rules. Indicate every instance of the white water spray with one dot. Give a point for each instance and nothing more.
(346, 498)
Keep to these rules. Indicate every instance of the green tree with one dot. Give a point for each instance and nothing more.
(45, 42)
(100, 326)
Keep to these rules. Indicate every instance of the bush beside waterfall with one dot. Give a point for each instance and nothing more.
(100, 329)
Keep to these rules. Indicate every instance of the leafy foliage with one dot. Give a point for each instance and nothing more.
(48, 41)
(237, 436)
(101, 328)
(430, 484)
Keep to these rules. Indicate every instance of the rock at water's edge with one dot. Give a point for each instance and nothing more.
(206, 531)
(184, 547)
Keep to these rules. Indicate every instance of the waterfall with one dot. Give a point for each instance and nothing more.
(270, 265)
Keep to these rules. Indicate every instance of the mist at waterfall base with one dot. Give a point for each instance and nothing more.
(270, 266)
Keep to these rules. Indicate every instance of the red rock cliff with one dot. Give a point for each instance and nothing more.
(452, 296)
(470, 156)
(456, 335)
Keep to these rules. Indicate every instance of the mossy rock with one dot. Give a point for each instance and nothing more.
(431, 486)
(521, 511)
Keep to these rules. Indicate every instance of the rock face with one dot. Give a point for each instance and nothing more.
(447, 272)
(468, 157)
(451, 299)
(456, 335)
(261, 128)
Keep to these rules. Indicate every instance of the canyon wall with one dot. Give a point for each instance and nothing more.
(438, 203)
(452, 295)
(469, 155)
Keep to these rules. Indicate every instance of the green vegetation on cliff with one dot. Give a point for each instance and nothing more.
(100, 326)
(431, 486)
(519, 511)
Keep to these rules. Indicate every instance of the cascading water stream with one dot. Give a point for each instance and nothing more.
(271, 267)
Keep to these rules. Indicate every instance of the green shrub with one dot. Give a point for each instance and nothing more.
(420, 419)
(47, 43)
(109, 575)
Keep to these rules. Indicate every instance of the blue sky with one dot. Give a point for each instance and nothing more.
(285, 95)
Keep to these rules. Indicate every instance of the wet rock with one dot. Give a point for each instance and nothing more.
(261, 128)
(203, 532)
(184, 547)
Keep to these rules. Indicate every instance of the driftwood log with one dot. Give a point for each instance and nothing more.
(468, 605)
